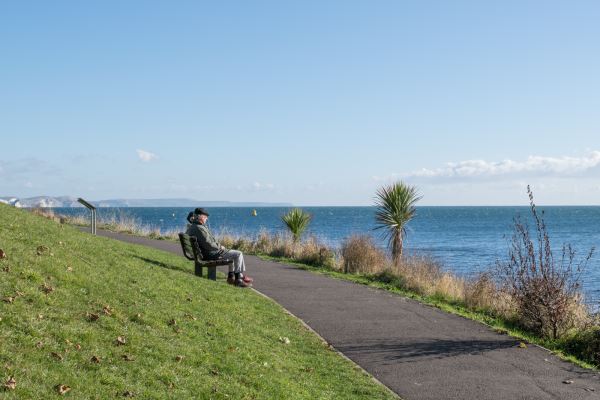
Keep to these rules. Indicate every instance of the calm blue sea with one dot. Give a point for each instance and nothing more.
(464, 239)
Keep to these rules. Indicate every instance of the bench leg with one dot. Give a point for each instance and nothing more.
(212, 273)
(198, 269)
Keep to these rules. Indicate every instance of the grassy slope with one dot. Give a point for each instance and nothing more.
(229, 338)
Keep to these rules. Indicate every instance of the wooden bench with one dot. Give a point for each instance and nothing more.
(191, 251)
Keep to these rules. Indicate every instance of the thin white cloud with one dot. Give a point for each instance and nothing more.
(539, 164)
(533, 165)
(254, 187)
(390, 177)
(262, 186)
(146, 156)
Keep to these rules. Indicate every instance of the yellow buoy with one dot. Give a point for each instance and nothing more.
(254, 213)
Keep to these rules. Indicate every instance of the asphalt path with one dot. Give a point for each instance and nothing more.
(418, 351)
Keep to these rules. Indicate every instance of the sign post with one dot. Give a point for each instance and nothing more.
(92, 209)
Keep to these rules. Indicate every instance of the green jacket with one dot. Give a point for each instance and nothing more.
(211, 249)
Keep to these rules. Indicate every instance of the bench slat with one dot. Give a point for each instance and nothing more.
(187, 247)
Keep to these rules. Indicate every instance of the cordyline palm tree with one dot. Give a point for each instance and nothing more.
(395, 207)
(297, 221)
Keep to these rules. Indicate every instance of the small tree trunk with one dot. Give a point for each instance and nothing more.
(397, 249)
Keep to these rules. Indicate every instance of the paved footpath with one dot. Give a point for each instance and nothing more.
(418, 351)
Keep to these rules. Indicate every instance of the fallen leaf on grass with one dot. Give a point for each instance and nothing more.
(214, 371)
(522, 345)
(62, 389)
(69, 269)
(41, 250)
(190, 316)
(8, 299)
(92, 317)
(46, 288)
(2, 254)
(96, 360)
(11, 384)
(39, 345)
(78, 346)
(179, 358)
(128, 394)
(40, 316)
(172, 322)
(127, 357)
(107, 310)
(120, 341)
(19, 294)
(284, 340)
(6, 268)
(57, 356)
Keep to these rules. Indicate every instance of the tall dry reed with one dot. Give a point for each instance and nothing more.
(360, 255)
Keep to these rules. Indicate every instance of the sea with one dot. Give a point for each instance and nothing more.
(464, 240)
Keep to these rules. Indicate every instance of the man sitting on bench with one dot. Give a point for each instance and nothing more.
(212, 250)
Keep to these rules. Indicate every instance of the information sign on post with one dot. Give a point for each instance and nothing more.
(92, 209)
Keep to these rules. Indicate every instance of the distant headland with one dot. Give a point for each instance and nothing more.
(68, 201)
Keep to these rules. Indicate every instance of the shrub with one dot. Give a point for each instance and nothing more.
(545, 290)
(585, 344)
(361, 255)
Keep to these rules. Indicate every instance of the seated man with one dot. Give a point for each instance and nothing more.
(212, 250)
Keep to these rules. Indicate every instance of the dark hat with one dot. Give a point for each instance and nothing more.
(200, 211)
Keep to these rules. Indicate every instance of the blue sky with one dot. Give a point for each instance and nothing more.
(312, 102)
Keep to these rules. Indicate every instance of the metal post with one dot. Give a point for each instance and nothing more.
(92, 209)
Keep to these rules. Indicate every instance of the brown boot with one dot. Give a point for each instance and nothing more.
(240, 283)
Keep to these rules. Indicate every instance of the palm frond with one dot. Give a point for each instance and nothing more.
(297, 221)
(396, 206)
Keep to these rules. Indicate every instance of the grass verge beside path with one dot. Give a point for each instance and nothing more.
(498, 324)
(108, 319)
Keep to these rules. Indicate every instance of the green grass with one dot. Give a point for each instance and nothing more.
(228, 338)
(560, 347)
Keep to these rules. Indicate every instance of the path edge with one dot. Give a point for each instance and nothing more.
(329, 345)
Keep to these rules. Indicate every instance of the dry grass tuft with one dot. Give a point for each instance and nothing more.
(425, 276)
(116, 223)
(360, 255)
(309, 251)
